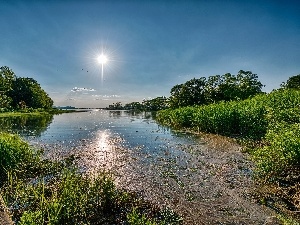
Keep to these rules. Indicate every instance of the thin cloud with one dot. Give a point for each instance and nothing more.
(79, 89)
(106, 96)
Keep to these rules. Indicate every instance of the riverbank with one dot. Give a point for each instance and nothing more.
(269, 126)
(34, 112)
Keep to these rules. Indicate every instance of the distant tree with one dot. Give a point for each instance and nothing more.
(241, 86)
(216, 88)
(189, 93)
(292, 82)
(116, 106)
(134, 106)
(155, 104)
(26, 92)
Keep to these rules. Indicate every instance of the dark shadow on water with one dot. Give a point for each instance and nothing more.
(26, 125)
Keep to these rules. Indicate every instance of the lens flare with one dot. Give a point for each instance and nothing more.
(102, 59)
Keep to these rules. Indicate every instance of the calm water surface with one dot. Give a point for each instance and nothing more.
(61, 134)
(135, 129)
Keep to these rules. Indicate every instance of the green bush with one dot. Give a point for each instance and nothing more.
(15, 154)
(282, 151)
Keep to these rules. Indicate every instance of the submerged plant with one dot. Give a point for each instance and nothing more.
(44, 192)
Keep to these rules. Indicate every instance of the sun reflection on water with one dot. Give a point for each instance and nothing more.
(102, 152)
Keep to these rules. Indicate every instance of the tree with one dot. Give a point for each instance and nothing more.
(7, 77)
(27, 92)
(155, 104)
(293, 82)
(115, 106)
(216, 88)
(134, 106)
(189, 93)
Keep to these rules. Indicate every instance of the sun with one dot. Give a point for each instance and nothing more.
(102, 59)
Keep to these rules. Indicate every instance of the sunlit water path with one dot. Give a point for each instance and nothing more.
(206, 184)
(105, 129)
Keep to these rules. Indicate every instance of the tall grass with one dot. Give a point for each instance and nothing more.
(245, 118)
(273, 118)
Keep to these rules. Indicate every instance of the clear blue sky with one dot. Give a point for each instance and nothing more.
(151, 45)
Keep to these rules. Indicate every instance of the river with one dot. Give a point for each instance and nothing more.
(206, 179)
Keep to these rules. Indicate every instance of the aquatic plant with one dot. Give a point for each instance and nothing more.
(40, 191)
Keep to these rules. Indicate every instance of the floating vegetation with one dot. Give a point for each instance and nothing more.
(44, 192)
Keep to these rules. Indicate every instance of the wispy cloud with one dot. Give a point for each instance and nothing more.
(106, 96)
(80, 89)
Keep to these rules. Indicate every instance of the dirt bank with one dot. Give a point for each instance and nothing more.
(4, 216)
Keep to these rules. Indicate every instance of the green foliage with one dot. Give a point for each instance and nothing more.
(70, 198)
(14, 154)
(282, 151)
(167, 217)
(273, 118)
(293, 82)
(7, 77)
(246, 119)
(135, 218)
(134, 106)
(19, 93)
(74, 198)
(216, 88)
(189, 93)
(155, 104)
(27, 92)
(151, 105)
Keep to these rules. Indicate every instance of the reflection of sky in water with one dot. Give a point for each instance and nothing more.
(137, 131)
(97, 136)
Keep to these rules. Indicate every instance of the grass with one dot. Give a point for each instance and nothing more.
(44, 192)
(268, 123)
(33, 112)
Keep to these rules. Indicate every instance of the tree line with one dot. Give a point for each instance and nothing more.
(21, 92)
(155, 104)
(204, 91)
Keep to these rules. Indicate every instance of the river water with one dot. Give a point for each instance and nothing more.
(204, 181)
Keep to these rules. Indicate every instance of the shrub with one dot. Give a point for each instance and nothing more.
(282, 151)
(14, 154)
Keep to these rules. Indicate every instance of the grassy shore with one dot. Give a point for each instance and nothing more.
(33, 112)
(269, 126)
(40, 191)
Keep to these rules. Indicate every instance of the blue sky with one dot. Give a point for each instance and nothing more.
(151, 45)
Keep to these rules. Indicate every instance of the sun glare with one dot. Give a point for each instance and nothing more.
(102, 59)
